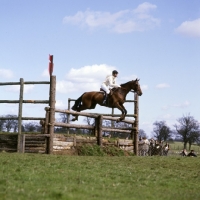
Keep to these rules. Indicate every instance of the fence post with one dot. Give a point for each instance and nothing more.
(112, 122)
(46, 120)
(68, 115)
(22, 143)
(136, 123)
(52, 112)
(96, 127)
(99, 138)
(19, 147)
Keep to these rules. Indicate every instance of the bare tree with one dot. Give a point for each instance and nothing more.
(188, 129)
(161, 130)
(10, 123)
(15, 126)
(91, 122)
(63, 117)
(2, 124)
(30, 127)
(142, 133)
(121, 125)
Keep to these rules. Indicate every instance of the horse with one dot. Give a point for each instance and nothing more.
(116, 98)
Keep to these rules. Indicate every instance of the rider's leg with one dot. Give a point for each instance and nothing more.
(105, 88)
(105, 98)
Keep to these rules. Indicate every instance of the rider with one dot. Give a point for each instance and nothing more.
(109, 83)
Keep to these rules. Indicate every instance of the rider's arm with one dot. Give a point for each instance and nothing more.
(112, 83)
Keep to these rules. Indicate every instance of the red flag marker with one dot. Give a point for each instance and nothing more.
(50, 65)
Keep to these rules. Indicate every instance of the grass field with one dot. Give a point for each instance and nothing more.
(34, 176)
(179, 146)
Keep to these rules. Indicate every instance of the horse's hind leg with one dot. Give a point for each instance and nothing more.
(83, 107)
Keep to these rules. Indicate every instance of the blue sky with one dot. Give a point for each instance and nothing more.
(156, 41)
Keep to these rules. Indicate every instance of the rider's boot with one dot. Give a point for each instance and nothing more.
(105, 98)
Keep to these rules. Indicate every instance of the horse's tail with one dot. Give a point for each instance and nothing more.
(77, 103)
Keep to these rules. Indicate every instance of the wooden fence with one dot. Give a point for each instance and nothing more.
(50, 102)
(135, 125)
(49, 120)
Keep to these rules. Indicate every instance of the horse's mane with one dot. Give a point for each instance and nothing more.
(125, 83)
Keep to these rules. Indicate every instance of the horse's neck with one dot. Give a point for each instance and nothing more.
(126, 86)
(123, 92)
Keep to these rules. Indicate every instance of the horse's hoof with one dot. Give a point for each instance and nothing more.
(74, 119)
(118, 120)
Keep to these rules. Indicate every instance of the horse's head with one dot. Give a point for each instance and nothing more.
(136, 86)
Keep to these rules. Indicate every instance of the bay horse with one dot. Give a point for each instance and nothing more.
(116, 98)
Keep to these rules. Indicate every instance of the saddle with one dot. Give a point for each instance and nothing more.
(111, 91)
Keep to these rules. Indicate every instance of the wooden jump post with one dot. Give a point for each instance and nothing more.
(52, 102)
(136, 124)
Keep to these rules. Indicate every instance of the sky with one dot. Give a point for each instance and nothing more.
(155, 41)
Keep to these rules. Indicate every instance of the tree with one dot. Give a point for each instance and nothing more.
(2, 124)
(10, 123)
(162, 131)
(30, 127)
(91, 122)
(142, 133)
(188, 129)
(15, 126)
(63, 117)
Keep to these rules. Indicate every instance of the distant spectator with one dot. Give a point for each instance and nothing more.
(146, 141)
(183, 153)
(192, 154)
(165, 149)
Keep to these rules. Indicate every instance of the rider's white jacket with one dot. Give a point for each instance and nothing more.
(110, 81)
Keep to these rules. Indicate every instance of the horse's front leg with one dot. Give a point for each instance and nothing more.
(122, 109)
(75, 118)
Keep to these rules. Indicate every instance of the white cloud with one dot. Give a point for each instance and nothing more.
(189, 28)
(65, 87)
(177, 105)
(162, 85)
(45, 73)
(145, 8)
(89, 78)
(182, 105)
(6, 73)
(124, 21)
(60, 104)
(144, 87)
(90, 74)
(16, 88)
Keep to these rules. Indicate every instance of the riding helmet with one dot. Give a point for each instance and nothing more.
(114, 72)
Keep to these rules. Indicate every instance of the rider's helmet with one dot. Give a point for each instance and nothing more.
(114, 72)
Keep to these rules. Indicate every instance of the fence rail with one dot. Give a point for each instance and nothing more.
(27, 82)
(26, 101)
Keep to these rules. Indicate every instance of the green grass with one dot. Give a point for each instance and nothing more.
(34, 176)
(179, 146)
